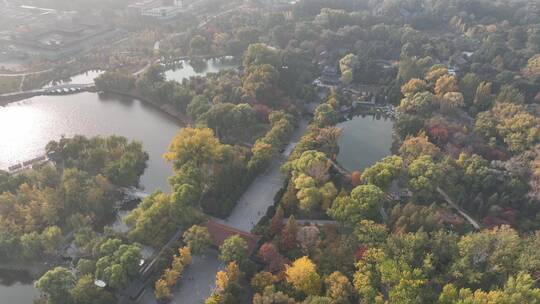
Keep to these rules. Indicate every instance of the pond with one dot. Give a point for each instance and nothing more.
(364, 141)
(185, 69)
(82, 78)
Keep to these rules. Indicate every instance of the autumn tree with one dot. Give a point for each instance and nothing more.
(270, 255)
(415, 146)
(270, 295)
(414, 86)
(263, 279)
(302, 274)
(288, 234)
(446, 84)
(276, 223)
(162, 290)
(338, 288)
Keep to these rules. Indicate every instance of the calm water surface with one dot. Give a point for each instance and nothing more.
(27, 126)
(83, 78)
(188, 69)
(364, 141)
(17, 287)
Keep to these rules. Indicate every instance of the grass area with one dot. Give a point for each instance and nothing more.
(9, 84)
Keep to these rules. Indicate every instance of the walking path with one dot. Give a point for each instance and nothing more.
(459, 209)
(198, 279)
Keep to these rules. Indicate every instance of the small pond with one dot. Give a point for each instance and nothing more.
(364, 141)
(185, 69)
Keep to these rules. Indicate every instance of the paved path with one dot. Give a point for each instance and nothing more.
(459, 209)
(259, 196)
(25, 74)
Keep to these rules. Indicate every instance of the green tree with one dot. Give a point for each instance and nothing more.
(86, 292)
(363, 203)
(56, 284)
(260, 54)
(51, 238)
(382, 173)
(198, 239)
(347, 66)
(424, 177)
(234, 248)
(325, 115)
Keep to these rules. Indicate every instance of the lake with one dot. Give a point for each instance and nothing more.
(30, 124)
(364, 141)
(17, 287)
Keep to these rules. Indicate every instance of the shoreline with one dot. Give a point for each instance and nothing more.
(182, 118)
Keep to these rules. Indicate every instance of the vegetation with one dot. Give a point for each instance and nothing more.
(450, 217)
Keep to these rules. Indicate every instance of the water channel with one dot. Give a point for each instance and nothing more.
(27, 126)
(364, 141)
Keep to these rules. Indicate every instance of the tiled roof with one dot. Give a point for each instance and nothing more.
(219, 233)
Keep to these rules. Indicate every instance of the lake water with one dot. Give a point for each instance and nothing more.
(188, 69)
(27, 126)
(17, 287)
(364, 141)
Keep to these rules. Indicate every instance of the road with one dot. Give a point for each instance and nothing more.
(24, 74)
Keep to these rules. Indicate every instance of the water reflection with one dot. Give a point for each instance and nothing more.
(82, 78)
(29, 125)
(365, 139)
(184, 69)
(9, 277)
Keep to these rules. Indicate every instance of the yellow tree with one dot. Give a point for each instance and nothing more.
(171, 276)
(194, 144)
(185, 255)
(302, 274)
(414, 86)
(162, 290)
(446, 84)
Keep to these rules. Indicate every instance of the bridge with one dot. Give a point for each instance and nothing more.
(339, 168)
(62, 89)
